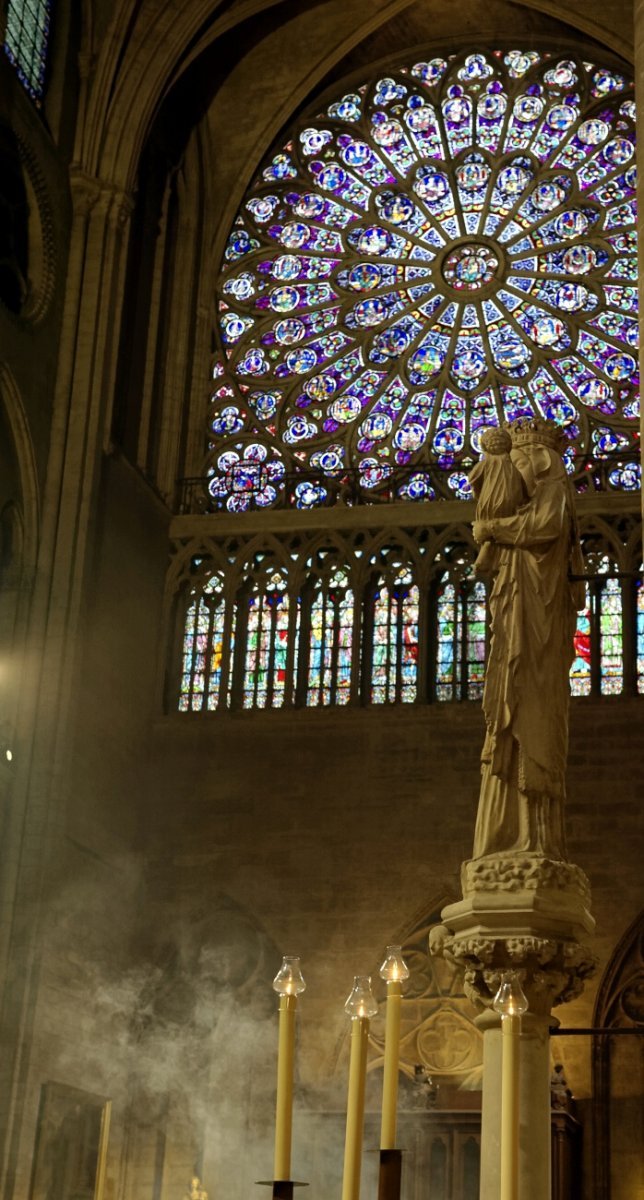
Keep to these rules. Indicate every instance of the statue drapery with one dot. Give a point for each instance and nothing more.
(533, 605)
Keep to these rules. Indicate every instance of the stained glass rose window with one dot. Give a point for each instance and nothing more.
(443, 249)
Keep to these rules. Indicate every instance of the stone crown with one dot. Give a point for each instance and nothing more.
(531, 431)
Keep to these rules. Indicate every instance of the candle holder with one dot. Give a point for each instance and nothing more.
(394, 971)
(361, 1007)
(289, 984)
(511, 1002)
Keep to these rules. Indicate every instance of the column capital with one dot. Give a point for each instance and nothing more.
(533, 920)
(89, 192)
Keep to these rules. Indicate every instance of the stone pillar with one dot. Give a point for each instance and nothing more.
(530, 914)
(82, 399)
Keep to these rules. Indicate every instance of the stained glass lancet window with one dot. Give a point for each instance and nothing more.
(394, 631)
(206, 650)
(640, 634)
(264, 615)
(25, 41)
(330, 645)
(580, 671)
(443, 248)
(611, 649)
(460, 636)
(598, 665)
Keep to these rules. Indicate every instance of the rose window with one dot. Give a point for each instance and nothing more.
(445, 248)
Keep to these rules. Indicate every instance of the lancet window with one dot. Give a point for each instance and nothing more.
(267, 630)
(327, 634)
(611, 650)
(599, 665)
(461, 633)
(339, 627)
(580, 671)
(394, 625)
(208, 647)
(25, 42)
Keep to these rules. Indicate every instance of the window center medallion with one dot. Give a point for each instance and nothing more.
(470, 267)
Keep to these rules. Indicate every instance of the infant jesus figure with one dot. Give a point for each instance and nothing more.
(499, 492)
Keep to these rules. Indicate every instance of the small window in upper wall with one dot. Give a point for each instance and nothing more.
(25, 42)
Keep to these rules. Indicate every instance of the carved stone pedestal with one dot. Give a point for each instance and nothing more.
(529, 914)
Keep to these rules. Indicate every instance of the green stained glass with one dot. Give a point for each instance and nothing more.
(580, 671)
(476, 609)
(267, 634)
(205, 654)
(331, 643)
(449, 637)
(25, 41)
(610, 638)
(394, 660)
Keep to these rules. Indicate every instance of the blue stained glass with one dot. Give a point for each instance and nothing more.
(331, 642)
(640, 636)
(580, 671)
(461, 640)
(203, 657)
(267, 645)
(423, 233)
(394, 663)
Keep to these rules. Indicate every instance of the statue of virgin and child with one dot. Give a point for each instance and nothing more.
(530, 555)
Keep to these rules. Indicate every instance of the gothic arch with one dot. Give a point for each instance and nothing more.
(138, 81)
(619, 1005)
(26, 464)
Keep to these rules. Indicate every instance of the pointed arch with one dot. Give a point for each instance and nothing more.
(26, 463)
(618, 1107)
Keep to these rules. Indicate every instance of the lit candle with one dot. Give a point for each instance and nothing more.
(360, 1006)
(289, 983)
(394, 970)
(510, 1001)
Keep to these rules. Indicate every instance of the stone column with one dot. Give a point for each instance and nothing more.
(530, 914)
(82, 399)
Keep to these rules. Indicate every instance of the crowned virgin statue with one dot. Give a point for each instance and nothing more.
(527, 531)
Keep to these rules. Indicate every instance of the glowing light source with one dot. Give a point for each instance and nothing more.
(393, 970)
(510, 1000)
(288, 983)
(360, 1006)
(394, 967)
(360, 1002)
(289, 980)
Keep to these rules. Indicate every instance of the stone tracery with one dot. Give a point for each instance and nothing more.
(441, 249)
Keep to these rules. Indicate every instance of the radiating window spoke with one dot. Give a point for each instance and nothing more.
(446, 247)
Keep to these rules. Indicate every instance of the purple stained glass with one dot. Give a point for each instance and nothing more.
(465, 226)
